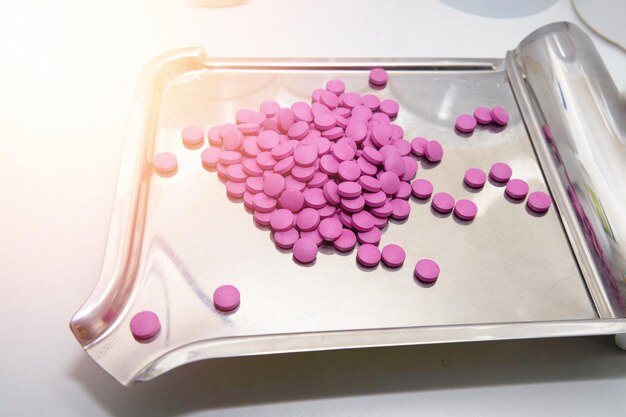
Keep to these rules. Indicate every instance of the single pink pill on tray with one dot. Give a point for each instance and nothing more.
(433, 151)
(465, 123)
(443, 202)
(305, 250)
(368, 255)
(145, 325)
(281, 220)
(483, 115)
(393, 256)
(500, 172)
(226, 298)
(192, 136)
(475, 177)
(516, 189)
(165, 162)
(336, 86)
(427, 270)
(422, 188)
(378, 76)
(500, 115)
(539, 202)
(465, 209)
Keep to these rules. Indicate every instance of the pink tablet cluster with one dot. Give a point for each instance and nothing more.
(466, 123)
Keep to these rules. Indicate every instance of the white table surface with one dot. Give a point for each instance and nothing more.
(67, 73)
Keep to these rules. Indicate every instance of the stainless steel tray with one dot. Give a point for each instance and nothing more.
(508, 274)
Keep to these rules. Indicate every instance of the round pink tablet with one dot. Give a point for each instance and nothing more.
(349, 171)
(539, 201)
(235, 189)
(263, 203)
(475, 177)
(370, 101)
(346, 242)
(308, 219)
(378, 76)
(516, 189)
(330, 229)
(336, 86)
(232, 140)
(427, 270)
(226, 298)
(389, 107)
(389, 183)
(371, 237)
(273, 185)
(282, 150)
(262, 218)
(443, 202)
(281, 219)
(500, 115)
(433, 151)
(331, 192)
(268, 139)
(369, 184)
(236, 173)
(400, 209)
(305, 250)
(164, 162)
(418, 146)
(145, 325)
(483, 115)
(287, 238)
(349, 189)
(210, 157)
(342, 152)
(465, 209)
(372, 155)
(314, 197)
(229, 157)
(305, 155)
(292, 200)
(422, 188)
(251, 168)
(298, 130)
(500, 172)
(381, 135)
(192, 136)
(368, 255)
(324, 121)
(353, 205)
(376, 199)
(356, 130)
(283, 166)
(270, 108)
(465, 123)
(363, 221)
(393, 255)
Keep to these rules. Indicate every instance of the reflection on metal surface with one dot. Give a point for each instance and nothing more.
(172, 241)
(577, 119)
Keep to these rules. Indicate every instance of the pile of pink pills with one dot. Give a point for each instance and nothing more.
(466, 123)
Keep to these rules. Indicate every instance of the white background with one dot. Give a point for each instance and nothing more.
(67, 73)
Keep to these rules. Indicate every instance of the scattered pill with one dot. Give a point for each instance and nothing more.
(475, 177)
(500, 115)
(427, 270)
(346, 242)
(516, 189)
(281, 220)
(371, 237)
(483, 115)
(443, 202)
(305, 250)
(393, 256)
(418, 146)
(145, 325)
(500, 172)
(368, 255)
(287, 238)
(164, 162)
(539, 201)
(378, 77)
(210, 157)
(465, 209)
(192, 136)
(465, 123)
(433, 151)
(421, 188)
(226, 298)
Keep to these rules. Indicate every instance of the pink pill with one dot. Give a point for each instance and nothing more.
(324, 121)
(235, 189)
(192, 136)
(363, 221)
(379, 222)
(285, 119)
(383, 211)
(247, 200)
(336, 86)
(273, 185)
(316, 94)
(418, 146)
(292, 184)
(371, 237)
(350, 100)
(378, 77)
(298, 130)
(404, 191)
(516, 189)
(369, 184)
(349, 189)
(323, 145)
(395, 164)
(465, 123)
(308, 219)
(330, 229)
(370, 101)
(331, 193)
(372, 155)
(236, 173)
(389, 107)
(263, 203)
(284, 166)
(389, 182)
(210, 157)
(305, 155)
(270, 108)
(305, 250)
(539, 201)
(303, 173)
(433, 151)
(318, 180)
(329, 99)
(361, 113)
(345, 218)
(400, 209)
(393, 256)
(282, 150)
(465, 209)
(368, 255)
(500, 115)
(232, 140)
(251, 168)
(250, 146)
(366, 167)
(403, 147)
(349, 171)
(164, 162)
(353, 205)
(381, 135)
(243, 115)
(326, 212)
(500, 172)
(249, 128)
(226, 298)
(410, 168)
(214, 136)
(281, 219)
(268, 139)
(292, 200)
(342, 152)
(262, 218)
(356, 130)
(333, 133)
(314, 197)
(375, 199)
(443, 202)
(254, 184)
(287, 238)
(427, 270)
(475, 177)
(229, 157)
(145, 325)
(483, 115)
(329, 165)
(346, 242)
(314, 235)
(422, 188)
(302, 112)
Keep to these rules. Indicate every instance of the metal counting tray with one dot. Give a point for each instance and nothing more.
(508, 274)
